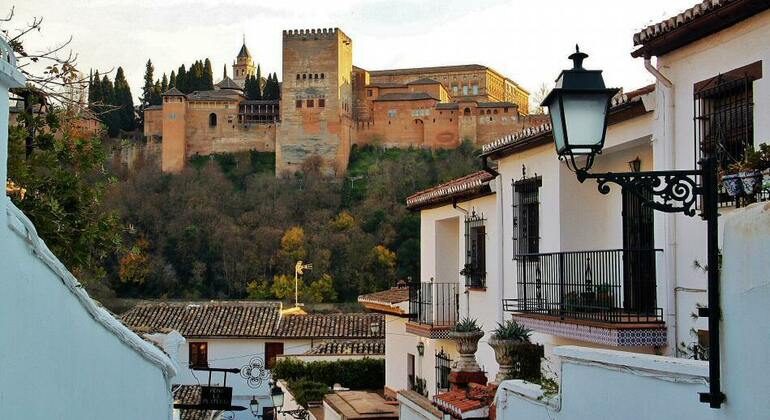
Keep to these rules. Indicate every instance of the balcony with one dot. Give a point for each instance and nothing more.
(433, 308)
(603, 296)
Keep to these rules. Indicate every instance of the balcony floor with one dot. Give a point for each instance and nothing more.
(636, 334)
(428, 331)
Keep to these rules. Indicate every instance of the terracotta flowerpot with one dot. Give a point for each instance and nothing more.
(467, 344)
(517, 359)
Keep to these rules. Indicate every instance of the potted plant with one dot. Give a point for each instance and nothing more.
(745, 177)
(466, 334)
(604, 296)
(517, 356)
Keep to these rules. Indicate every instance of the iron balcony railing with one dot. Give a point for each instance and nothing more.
(434, 304)
(615, 286)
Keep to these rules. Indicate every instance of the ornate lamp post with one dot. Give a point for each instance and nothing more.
(276, 395)
(579, 107)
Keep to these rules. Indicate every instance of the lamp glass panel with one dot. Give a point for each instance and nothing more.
(585, 115)
(277, 396)
(554, 108)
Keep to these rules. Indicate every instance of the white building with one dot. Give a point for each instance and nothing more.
(710, 91)
(63, 356)
(249, 336)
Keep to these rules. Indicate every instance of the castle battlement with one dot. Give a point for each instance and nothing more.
(303, 33)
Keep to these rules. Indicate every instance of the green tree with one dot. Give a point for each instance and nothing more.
(64, 181)
(208, 76)
(171, 80)
(321, 290)
(124, 102)
(149, 83)
(283, 287)
(181, 80)
(163, 84)
(252, 88)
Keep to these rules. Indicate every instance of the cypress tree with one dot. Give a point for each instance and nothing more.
(109, 114)
(208, 75)
(171, 80)
(148, 83)
(124, 102)
(251, 88)
(181, 79)
(164, 83)
(224, 72)
(259, 85)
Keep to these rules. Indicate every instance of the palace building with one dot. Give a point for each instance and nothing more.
(328, 105)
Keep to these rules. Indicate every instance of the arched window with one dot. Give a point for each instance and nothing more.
(467, 111)
(297, 76)
(322, 75)
(315, 76)
(212, 120)
(304, 76)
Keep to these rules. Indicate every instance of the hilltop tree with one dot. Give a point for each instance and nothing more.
(124, 102)
(163, 84)
(149, 84)
(208, 76)
(224, 72)
(272, 89)
(251, 88)
(181, 80)
(171, 80)
(260, 84)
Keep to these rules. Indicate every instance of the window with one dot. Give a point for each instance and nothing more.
(297, 76)
(443, 369)
(465, 89)
(298, 103)
(467, 111)
(322, 75)
(369, 92)
(304, 76)
(391, 113)
(199, 356)
(321, 103)
(454, 89)
(494, 112)
(475, 270)
(272, 350)
(212, 120)
(475, 89)
(526, 215)
(315, 76)
(310, 103)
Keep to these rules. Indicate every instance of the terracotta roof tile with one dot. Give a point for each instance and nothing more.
(477, 182)
(354, 325)
(207, 319)
(387, 297)
(190, 394)
(424, 81)
(661, 28)
(350, 347)
(438, 69)
(404, 96)
(460, 402)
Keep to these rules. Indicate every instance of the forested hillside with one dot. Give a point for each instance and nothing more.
(227, 228)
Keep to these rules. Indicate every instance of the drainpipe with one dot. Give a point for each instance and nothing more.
(669, 219)
(501, 234)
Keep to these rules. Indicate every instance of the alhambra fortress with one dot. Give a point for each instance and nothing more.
(328, 105)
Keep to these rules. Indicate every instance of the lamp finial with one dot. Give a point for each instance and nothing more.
(577, 58)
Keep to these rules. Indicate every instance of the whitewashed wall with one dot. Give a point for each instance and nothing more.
(609, 384)
(61, 355)
(737, 46)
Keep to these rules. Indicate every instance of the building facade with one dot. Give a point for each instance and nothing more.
(328, 105)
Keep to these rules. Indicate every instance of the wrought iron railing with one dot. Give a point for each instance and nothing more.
(616, 286)
(435, 304)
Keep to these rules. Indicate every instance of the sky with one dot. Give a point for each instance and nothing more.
(528, 41)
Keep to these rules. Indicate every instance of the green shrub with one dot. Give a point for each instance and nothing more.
(305, 390)
(354, 374)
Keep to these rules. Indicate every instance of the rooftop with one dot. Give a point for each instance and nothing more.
(424, 81)
(348, 348)
(387, 297)
(228, 83)
(699, 21)
(351, 325)
(437, 69)
(360, 405)
(471, 403)
(207, 319)
(189, 394)
(472, 185)
(406, 96)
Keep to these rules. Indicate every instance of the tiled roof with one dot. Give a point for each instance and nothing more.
(189, 394)
(474, 183)
(438, 69)
(618, 102)
(153, 108)
(500, 104)
(703, 19)
(216, 95)
(387, 297)
(404, 96)
(386, 85)
(447, 105)
(207, 319)
(244, 52)
(173, 92)
(353, 325)
(228, 83)
(460, 403)
(350, 347)
(424, 81)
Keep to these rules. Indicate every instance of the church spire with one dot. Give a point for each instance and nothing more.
(244, 51)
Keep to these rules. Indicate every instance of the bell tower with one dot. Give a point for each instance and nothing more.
(243, 65)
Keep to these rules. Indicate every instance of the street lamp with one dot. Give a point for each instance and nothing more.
(578, 107)
(421, 348)
(276, 395)
(254, 407)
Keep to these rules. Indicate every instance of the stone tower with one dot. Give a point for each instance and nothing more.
(174, 145)
(243, 65)
(316, 100)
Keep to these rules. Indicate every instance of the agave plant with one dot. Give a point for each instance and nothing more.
(467, 325)
(511, 330)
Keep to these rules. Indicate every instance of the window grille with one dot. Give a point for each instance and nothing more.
(526, 216)
(475, 270)
(443, 369)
